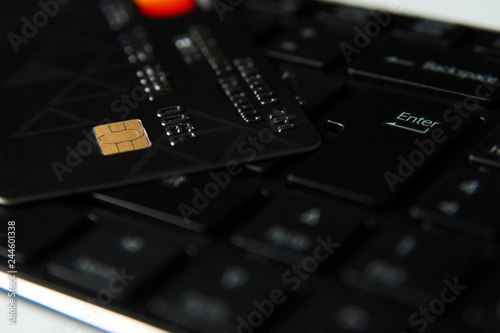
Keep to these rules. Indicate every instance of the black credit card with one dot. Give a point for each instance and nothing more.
(105, 100)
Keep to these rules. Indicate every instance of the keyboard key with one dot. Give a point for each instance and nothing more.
(342, 18)
(429, 32)
(281, 7)
(306, 44)
(259, 23)
(481, 311)
(332, 309)
(387, 141)
(455, 75)
(411, 266)
(222, 293)
(446, 324)
(294, 227)
(310, 86)
(264, 168)
(114, 260)
(488, 44)
(465, 201)
(196, 202)
(488, 152)
(41, 227)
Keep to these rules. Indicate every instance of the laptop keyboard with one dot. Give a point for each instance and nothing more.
(389, 226)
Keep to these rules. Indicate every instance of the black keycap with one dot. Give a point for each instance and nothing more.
(342, 18)
(295, 227)
(412, 267)
(281, 7)
(429, 32)
(443, 323)
(310, 86)
(223, 293)
(259, 23)
(488, 152)
(116, 258)
(465, 201)
(332, 309)
(455, 75)
(41, 227)
(387, 141)
(265, 167)
(306, 44)
(480, 313)
(196, 202)
(489, 44)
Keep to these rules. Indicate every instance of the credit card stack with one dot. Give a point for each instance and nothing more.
(196, 100)
(258, 166)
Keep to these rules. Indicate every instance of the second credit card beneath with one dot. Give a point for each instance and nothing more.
(97, 108)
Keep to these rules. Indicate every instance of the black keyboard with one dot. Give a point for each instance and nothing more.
(389, 226)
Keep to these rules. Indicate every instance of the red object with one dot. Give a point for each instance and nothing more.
(162, 9)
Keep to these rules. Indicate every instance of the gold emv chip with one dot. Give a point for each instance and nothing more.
(121, 137)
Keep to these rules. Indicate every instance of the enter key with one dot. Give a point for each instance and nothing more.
(385, 142)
